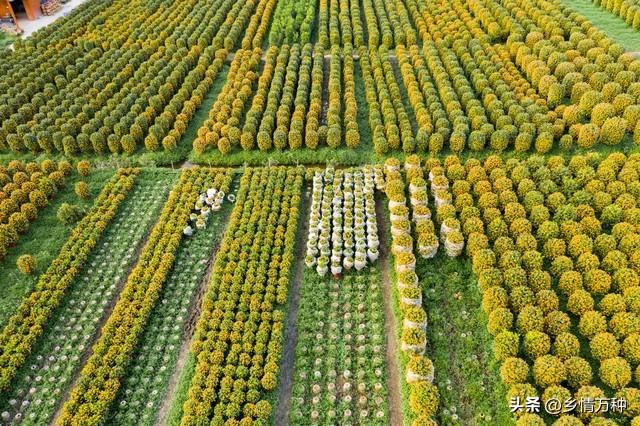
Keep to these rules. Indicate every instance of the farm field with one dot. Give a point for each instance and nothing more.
(331, 212)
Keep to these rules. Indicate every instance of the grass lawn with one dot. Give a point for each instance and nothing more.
(613, 26)
(43, 240)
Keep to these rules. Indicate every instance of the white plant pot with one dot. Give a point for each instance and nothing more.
(310, 262)
(360, 264)
(428, 252)
(393, 204)
(395, 217)
(397, 231)
(413, 188)
(444, 229)
(419, 217)
(417, 349)
(453, 249)
(409, 301)
(414, 377)
(442, 202)
(322, 270)
(397, 249)
(411, 324)
(336, 270)
(417, 202)
(347, 262)
(409, 267)
(373, 256)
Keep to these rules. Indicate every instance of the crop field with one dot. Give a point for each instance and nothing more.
(331, 212)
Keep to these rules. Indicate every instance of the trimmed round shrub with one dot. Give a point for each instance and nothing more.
(578, 371)
(613, 131)
(536, 344)
(84, 168)
(588, 136)
(548, 370)
(500, 319)
(82, 190)
(566, 345)
(69, 214)
(615, 372)
(604, 345)
(514, 370)
(26, 264)
(506, 344)
(592, 323)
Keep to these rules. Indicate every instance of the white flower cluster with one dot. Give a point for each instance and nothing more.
(208, 201)
(343, 231)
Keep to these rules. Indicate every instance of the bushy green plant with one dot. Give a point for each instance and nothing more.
(69, 213)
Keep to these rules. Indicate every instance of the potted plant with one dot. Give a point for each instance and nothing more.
(415, 317)
(454, 243)
(310, 261)
(402, 243)
(421, 212)
(413, 340)
(411, 295)
(420, 368)
(428, 245)
(399, 213)
(322, 267)
(336, 267)
(406, 278)
(400, 227)
(360, 260)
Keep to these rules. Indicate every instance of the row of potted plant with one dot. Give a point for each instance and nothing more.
(343, 230)
(419, 372)
(209, 201)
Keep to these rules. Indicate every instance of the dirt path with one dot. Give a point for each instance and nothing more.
(287, 363)
(105, 316)
(393, 369)
(194, 314)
